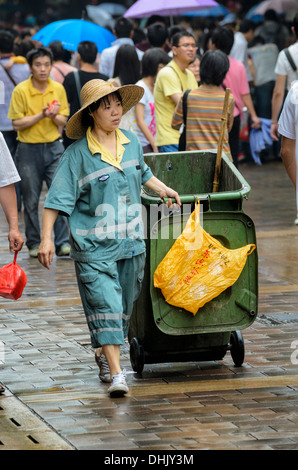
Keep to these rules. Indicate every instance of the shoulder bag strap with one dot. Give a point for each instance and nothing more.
(78, 85)
(290, 59)
(10, 77)
(184, 105)
(60, 71)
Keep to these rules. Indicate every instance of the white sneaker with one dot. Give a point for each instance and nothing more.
(119, 386)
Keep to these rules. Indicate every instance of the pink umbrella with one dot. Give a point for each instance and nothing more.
(145, 8)
(280, 6)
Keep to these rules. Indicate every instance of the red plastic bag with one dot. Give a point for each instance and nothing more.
(12, 280)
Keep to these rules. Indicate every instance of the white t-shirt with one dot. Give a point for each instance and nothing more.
(8, 171)
(283, 66)
(149, 116)
(288, 121)
(239, 52)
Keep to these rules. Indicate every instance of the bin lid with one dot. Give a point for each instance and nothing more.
(233, 309)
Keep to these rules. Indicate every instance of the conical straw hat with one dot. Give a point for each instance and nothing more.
(91, 92)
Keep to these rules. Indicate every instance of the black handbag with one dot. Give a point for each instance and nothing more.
(182, 139)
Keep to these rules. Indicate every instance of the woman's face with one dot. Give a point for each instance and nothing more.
(108, 115)
(195, 68)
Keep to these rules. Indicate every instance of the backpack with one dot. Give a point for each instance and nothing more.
(272, 36)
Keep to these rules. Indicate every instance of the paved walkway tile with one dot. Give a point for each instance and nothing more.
(54, 398)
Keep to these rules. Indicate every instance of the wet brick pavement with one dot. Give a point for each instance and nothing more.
(54, 399)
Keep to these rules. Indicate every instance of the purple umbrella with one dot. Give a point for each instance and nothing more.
(145, 8)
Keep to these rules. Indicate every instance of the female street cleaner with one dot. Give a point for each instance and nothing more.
(98, 186)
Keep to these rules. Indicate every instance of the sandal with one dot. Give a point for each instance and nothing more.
(2, 389)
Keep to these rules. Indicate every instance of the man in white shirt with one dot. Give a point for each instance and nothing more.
(285, 75)
(124, 33)
(288, 128)
(241, 39)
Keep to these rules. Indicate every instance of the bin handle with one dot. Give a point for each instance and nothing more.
(221, 140)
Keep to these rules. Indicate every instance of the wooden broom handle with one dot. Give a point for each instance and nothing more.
(221, 140)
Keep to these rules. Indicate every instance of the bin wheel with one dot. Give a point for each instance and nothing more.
(136, 355)
(237, 348)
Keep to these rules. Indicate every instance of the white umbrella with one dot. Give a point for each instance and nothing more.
(100, 16)
(280, 6)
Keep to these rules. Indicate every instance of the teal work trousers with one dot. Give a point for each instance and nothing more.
(108, 292)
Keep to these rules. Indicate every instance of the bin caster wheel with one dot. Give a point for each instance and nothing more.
(237, 348)
(136, 355)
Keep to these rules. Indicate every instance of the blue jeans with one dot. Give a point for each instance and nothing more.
(168, 148)
(37, 163)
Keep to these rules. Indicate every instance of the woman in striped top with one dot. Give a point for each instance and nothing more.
(205, 106)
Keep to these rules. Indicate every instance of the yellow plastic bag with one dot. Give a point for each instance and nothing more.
(198, 268)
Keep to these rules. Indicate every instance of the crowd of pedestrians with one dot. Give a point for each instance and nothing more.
(122, 103)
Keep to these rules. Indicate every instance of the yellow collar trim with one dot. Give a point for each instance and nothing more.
(96, 147)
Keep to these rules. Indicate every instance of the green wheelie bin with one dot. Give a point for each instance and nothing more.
(160, 332)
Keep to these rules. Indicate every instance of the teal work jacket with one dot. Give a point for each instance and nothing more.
(103, 202)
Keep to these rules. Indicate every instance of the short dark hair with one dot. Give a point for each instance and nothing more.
(123, 27)
(88, 51)
(223, 39)
(24, 47)
(151, 60)
(270, 15)
(181, 34)
(213, 67)
(39, 52)
(57, 50)
(246, 25)
(6, 42)
(157, 34)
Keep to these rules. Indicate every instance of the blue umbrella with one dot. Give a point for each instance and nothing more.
(251, 15)
(213, 12)
(71, 32)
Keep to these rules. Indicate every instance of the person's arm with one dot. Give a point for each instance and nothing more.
(162, 190)
(247, 101)
(46, 247)
(176, 97)
(140, 117)
(276, 104)
(177, 119)
(288, 157)
(8, 201)
(29, 121)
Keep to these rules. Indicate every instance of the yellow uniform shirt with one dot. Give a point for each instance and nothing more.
(170, 80)
(28, 101)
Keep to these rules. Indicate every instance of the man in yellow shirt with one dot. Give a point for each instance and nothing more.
(37, 121)
(172, 81)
